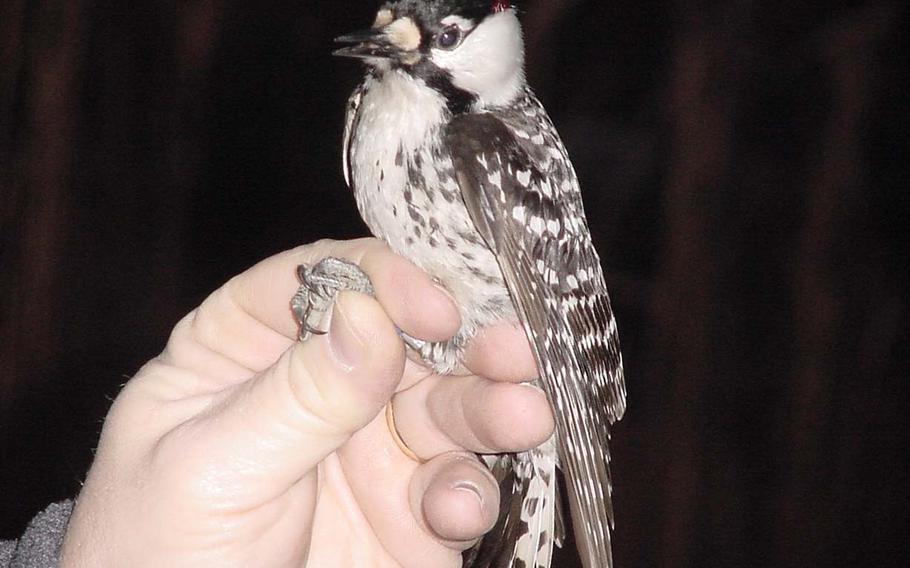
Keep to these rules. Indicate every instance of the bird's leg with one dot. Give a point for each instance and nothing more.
(320, 284)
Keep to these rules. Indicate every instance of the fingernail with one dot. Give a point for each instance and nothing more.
(346, 346)
(469, 488)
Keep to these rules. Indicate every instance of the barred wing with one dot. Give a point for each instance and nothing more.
(530, 214)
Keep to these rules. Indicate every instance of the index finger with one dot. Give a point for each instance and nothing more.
(249, 320)
(407, 293)
(502, 353)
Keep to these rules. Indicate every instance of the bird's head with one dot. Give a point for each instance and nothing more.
(471, 51)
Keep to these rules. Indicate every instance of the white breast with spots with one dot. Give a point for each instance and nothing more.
(422, 217)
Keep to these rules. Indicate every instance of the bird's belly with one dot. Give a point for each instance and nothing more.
(413, 203)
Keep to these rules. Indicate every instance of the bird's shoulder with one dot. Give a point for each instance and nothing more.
(524, 133)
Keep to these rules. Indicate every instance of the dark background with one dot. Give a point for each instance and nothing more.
(745, 171)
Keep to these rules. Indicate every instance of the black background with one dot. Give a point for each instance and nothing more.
(745, 172)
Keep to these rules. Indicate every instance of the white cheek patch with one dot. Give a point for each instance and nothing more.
(490, 62)
(383, 18)
(404, 34)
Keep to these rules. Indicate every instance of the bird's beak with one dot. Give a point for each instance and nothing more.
(367, 44)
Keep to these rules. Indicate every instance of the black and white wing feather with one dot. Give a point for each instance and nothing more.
(522, 195)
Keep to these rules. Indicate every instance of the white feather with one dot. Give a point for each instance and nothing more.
(490, 61)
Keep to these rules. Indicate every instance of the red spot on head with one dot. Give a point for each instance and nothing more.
(501, 5)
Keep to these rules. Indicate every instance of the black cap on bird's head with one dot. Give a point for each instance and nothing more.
(435, 10)
(403, 26)
(474, 47)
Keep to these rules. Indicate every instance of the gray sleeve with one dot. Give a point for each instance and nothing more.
(39, 547)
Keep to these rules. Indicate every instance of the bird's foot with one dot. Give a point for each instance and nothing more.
(319, 286)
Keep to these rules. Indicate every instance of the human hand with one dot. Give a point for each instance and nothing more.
(238, 446)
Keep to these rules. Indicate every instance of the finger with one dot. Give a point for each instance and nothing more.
(389, 487)
(416, 304)
(455, 498)
(407, 293)
(502, 353)
(249, 320)
(269, 432)
(444, 414)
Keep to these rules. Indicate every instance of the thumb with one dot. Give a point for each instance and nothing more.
(284, 422)
(340, 381)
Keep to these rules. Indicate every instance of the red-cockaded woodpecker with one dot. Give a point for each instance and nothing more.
(457, 166)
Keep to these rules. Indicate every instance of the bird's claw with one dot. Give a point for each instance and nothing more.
(319, 286)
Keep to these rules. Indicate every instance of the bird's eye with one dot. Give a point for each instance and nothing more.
(449, 38)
